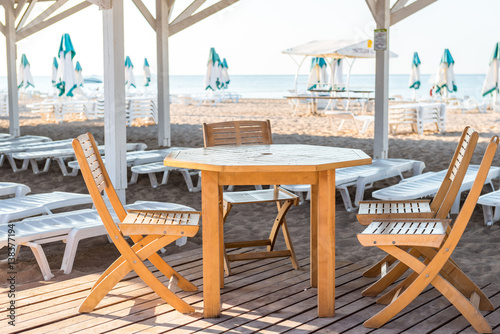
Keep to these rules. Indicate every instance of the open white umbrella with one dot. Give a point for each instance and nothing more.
(318, 75)
(224, 74)
(415, 74)
(212, 78)
(78, 74)
(445, 77)
(147, 73)
(54, 71)
(129, 73)
(66, 80)
(24, 78)
(491, 82)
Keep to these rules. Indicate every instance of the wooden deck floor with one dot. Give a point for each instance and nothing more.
(265, 296)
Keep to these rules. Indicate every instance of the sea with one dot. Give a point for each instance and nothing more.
(278, 86)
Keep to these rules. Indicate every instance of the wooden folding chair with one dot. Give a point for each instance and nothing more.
(434, 241)
(439, 207)
(149, 230)
(252, 133)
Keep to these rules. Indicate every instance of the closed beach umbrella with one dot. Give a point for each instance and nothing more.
(337, 80)
(445, 78)
(224, 74)
(318, 75)
(78, 74)
(147, 73)
(54, 71)
(66, 80)
(129, 73)
(491, 83)
(24, 78)
(212, 78)
(415, 74)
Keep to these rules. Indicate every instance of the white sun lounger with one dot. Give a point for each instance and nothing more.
(135, 158)
(69, 227)
(6, 142)
(427, 185)
(59, 155)
(30, 205)
(158, 167)
(489, 202)
(6, 153)
(363, 177)
(11, 188)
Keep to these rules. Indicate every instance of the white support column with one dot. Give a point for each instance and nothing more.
(10, 38)
(115, 134)
(381, 142)
(162, 33)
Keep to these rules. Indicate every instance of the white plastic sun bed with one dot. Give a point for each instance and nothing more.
(69, 227)
(60, 155)
(135, 158)
(11, 188)
(427, 185)
(489, 202)
(363, 177)
(30, 205)
(158, 167)
(6, 153)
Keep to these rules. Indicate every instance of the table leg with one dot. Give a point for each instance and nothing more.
(314, 236)
(326, 244)
(212, 220)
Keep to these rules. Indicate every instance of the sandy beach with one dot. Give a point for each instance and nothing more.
(477, 253)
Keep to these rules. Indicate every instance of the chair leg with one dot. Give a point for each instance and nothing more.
(226, 209)
(143, 249)
(384, 282)
(281, 222)
(374, 270)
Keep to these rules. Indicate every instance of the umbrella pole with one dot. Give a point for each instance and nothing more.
(414, 96)
(347, 84)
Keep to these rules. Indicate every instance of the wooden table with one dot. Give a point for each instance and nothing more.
(269, 164)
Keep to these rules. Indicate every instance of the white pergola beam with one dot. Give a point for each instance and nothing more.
(31, 27)
(371, 6)
(162, 32)
(406, 11)
(115, 131)
(10, 38)
(381, 142)
(188, 11)
(195, 18)
(398, 5)
(146, 13)
(102, 4)
(19, 8)
(26, 14)
(54, 19)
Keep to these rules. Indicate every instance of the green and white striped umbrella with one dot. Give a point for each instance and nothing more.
(147, 73)
(415, 74)
(66, 80)
(491, 83)
(54, 71)
(224, 75)
(445, 78)
(78, 74)
(318, 75)
(212, 78)
(24, 78)
(129, 73)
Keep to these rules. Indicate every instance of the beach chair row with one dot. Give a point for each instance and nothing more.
(417, 115)
(69, 227)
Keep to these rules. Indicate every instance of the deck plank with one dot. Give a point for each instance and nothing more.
(265, 296)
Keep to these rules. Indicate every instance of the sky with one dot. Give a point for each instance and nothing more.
(252, 33)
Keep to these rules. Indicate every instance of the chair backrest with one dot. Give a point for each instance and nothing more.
(237, 133)
(443, 201)
(97, 181)
(465, 213)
